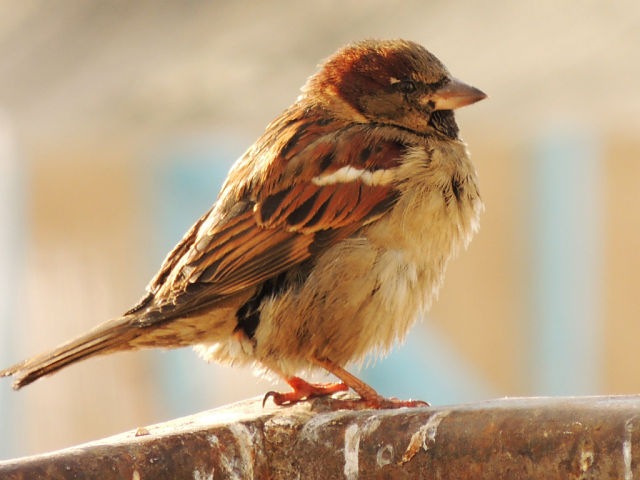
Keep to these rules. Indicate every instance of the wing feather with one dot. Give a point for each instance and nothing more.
(244, 241)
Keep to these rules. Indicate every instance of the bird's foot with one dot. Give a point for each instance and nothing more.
(369, 398)
(303, 391)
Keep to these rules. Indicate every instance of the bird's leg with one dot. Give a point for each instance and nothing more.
(369, 398)
(302, 391)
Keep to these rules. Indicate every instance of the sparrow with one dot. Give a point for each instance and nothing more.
(328, 239)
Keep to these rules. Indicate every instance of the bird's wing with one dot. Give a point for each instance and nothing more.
(326, 188)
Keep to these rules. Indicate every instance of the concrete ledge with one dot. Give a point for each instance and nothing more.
(545, 438)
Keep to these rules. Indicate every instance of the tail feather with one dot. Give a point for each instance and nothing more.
(110, 336)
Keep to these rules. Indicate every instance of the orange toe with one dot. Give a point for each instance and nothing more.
(303, 391)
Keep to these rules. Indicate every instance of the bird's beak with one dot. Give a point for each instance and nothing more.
(455, 94)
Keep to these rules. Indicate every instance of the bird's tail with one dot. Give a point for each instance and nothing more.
(107, 337)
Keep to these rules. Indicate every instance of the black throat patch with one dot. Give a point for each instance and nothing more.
(444, 122)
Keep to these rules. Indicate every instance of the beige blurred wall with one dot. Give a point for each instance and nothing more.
(83, 266)
(621, 280)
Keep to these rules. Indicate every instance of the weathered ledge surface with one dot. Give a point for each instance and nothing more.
(512, 438)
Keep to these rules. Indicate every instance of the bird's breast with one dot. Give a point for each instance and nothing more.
(435, 217)
(364, 293)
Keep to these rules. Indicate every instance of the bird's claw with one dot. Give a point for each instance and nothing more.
(303, 391)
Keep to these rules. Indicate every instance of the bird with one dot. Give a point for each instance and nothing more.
(329, 237)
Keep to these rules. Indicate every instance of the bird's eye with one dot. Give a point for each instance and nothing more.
(406, 86)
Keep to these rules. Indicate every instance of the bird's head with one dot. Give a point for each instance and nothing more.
(393, 82)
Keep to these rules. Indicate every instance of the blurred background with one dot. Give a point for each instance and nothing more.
(119, 121)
